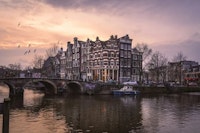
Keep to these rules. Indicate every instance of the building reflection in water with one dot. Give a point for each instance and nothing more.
(4, 92)
(102, 113)
(105, 113)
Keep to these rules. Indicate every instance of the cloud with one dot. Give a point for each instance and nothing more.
(17, 55)
(83, 4)
(169, 19)
(109, 7)
(42, 22)
(190, 48)
(185, 7)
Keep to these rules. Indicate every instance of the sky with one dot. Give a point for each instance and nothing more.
(29, 27)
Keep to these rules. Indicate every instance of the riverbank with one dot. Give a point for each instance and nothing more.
(107, 89)
(145, 90)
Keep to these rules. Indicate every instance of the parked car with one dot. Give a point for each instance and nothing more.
(130, 83)
(113, 82)
(192, 84)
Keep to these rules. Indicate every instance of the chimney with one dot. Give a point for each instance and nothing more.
(97, 39)
(111, 37)
(88, 40)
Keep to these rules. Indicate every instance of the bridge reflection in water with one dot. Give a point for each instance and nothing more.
(105, 113)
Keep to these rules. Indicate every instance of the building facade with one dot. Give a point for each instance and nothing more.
(62, 63)
(178, 70)
(136, 65)
(125, 44)
(104, 60)
(193, 75)
(89, 45)
(113, 59)
(76, 60)
(69, 61)
(50, 67)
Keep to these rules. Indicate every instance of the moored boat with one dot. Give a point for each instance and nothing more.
(126, 90)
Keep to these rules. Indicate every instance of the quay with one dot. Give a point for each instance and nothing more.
(107, 89)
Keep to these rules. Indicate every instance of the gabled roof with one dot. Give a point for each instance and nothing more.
(135, 50)
(81, 42)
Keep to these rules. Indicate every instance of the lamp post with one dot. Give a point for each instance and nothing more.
(6, 112)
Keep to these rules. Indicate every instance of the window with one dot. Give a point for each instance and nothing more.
(122, 46)
(134, 63)
(109, 54)
(125, 54)
(129, 62)
(129, 54)
(128, 73)
(135, 57)
(105, 54)
(117, 55)
(134, 71)
(112, 63)
(129, 47)
(125, 46)
(121, 54)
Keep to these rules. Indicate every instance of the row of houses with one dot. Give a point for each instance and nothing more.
(113, 59)
(181, 72)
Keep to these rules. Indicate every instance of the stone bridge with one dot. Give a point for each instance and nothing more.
(50, 86)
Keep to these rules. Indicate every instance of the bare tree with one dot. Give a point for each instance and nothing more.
(146, 52)
(179, 57)
(38, 61)
(28, 67)
(144, 48)
(15, 69)
(178, 65)
(52, 51)
(157, 65)
(16, 66)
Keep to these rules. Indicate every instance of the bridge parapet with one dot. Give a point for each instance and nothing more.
(52, 85)
(16, 84)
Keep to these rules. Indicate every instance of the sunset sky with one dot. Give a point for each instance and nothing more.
(168, 26)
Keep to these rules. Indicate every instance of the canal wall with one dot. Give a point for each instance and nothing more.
(107, 89)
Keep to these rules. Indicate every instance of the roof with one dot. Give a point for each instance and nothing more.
(135, 50)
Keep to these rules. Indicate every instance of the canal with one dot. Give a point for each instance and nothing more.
(166, 113)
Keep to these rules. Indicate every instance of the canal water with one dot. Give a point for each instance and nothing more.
(35, 113)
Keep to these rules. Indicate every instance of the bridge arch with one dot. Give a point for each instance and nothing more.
(11, 87)
(50, 87)
(75, 87)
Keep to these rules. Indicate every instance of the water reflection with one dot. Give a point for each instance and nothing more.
(113, 114)
(102, 113)
(171, 113)
(4, 92)
(32, 97)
